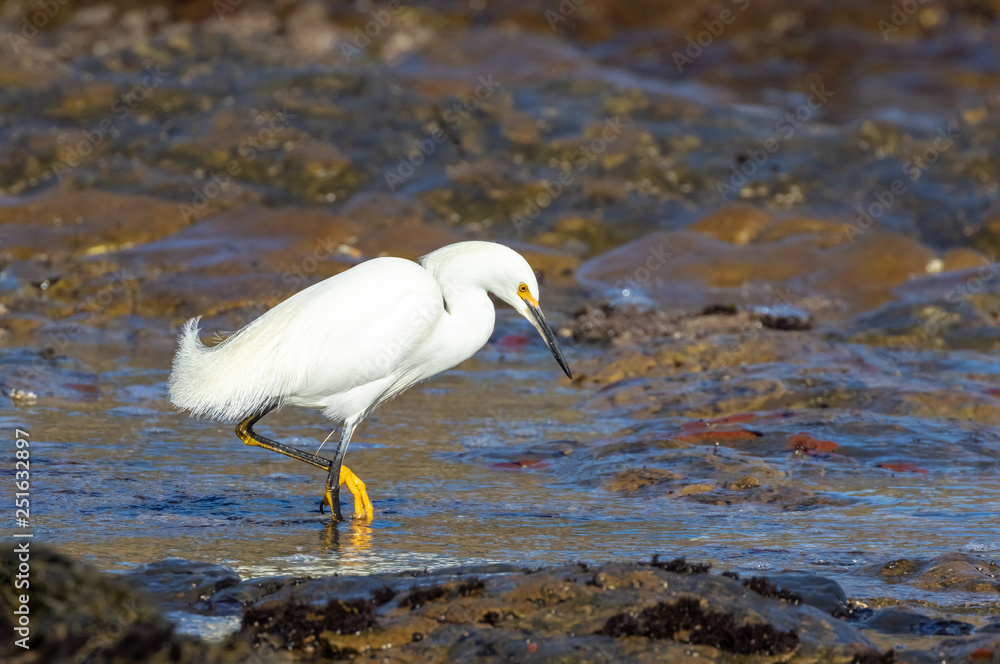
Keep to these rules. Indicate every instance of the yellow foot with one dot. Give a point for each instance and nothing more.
(362, 505)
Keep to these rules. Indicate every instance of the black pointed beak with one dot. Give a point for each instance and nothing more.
(550, 338)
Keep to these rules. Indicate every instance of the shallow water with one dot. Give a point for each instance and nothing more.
(497, 460)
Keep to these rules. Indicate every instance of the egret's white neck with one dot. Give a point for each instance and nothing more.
(469, 320)
(463, 277)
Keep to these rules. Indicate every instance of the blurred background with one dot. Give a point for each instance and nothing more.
(766, 231)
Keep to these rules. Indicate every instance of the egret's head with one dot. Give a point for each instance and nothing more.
(499, 270)
(520, 290)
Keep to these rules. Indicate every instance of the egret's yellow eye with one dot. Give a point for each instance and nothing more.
(523, 288)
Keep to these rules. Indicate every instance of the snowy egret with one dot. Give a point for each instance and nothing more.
(351, 342)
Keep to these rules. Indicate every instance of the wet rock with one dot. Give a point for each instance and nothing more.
(65, 222)
(231, 600)
(783, 497)
(951, 310)
(959, 573)
(806, 442)
(744, 483)
(626, 325)
(895, 569)
(783, 317)
(694, 270)
(634, 611)
(953, 572)
(710, 628)
(635, 479)
(181, 584)
(764, 587)
(694, 489)
(580, 235)
(823, 593)
(967, 651)
(619, 324)
(736, 224)
(896, 620)
(79, 614)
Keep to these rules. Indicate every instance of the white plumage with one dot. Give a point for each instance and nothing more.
(359, 338)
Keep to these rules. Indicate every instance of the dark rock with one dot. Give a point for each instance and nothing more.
(78, 614)
(944, 628)
(823, 593)
(783, 496)
(182, 584)
(719, 310)
(710, 628)
(580, 612)
(297, 624)
(764, 587)
(680, 566)
(420, 596)
(897, 620)
(783, 317)
(619, 324)
(233, 599)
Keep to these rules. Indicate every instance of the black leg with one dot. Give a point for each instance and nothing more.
(335, 468)
(333, 477)
(250, 437)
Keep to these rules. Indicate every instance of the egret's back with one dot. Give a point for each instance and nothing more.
(344, 336)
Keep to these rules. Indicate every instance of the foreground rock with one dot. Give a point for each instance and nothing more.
(635, 612)
(613, 612)
(80, 615)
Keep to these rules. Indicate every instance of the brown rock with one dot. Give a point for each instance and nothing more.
(85, 222)
(634, 479)
(898, 568)
(691, 489)
(692, 270)
(744, 483)
(959, 573)
(737, 224)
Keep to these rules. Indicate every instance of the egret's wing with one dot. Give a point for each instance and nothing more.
(361, 329)
(347, 331)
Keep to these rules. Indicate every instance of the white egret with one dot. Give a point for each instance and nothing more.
(353, 341)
